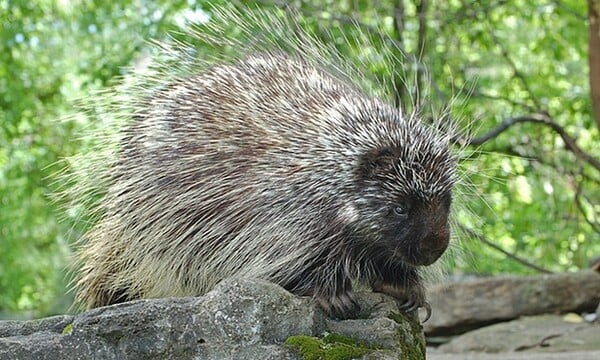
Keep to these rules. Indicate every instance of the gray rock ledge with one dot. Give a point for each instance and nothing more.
(239, 319)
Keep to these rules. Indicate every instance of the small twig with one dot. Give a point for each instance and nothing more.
(541, 343)
(471, 11)
(571, 11)
(516, 72)
(506, 99)
(487, 242)
(578, 201)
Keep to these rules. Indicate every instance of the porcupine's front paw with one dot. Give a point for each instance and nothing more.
(339, 306)
(410, 298)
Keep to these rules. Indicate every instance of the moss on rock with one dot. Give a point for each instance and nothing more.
(411, 341)
(68, 329)
(330, 347)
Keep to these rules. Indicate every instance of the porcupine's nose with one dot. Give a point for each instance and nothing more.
(433, 248)
(435, 234)
(434, 241)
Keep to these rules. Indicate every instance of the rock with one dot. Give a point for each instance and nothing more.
(50, 324)
(459, 307)
(545, 333)
(239, 319)
(375, 327)
(247, 313)
(571, 355)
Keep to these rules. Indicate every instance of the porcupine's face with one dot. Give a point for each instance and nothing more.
(405, 203)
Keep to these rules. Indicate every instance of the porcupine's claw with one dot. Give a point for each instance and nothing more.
(427, 308)
(409, 306)
(410, 299)
(412, 306)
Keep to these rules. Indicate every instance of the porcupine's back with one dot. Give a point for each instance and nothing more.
(248, 168)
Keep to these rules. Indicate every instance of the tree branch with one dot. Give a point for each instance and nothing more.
(487, 242)
(539, 118)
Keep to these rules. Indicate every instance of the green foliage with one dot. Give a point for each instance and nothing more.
(515, 62)
(50, 54)
(485, 61)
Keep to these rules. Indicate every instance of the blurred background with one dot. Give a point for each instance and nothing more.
(517, 71)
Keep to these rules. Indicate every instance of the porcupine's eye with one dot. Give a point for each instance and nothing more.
(401, 211)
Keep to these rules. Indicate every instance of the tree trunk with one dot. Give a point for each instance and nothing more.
(459, 307)
(399, 84)
(594, 56)
(421, 44)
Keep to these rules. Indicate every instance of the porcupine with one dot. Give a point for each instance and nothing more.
(270, 164)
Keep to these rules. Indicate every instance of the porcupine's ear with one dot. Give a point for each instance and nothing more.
(377, 162)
